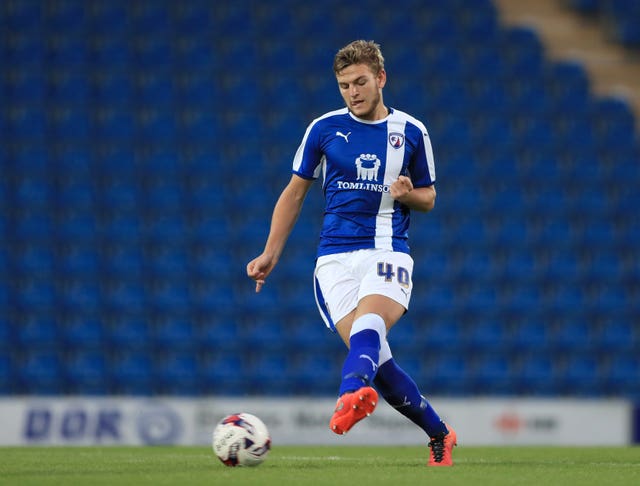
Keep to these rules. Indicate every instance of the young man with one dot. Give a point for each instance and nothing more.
(377, 164)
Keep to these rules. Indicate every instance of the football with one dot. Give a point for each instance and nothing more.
(241, 439)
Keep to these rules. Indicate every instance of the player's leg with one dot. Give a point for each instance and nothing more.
(336, 291)
(402, 393)
(363, 335)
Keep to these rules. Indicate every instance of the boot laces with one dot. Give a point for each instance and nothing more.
(437, 447)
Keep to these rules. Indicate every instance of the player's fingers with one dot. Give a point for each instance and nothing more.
(405, 181)
(259, 284)
(250, 268)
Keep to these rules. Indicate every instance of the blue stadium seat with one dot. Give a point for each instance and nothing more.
(269, 375)
(174, 333)
(178, 374)
(7, 328)
(217, 331)
(619, 334)
(38, 331)
(315, 375)
(569, 86)
(622, 375)
(442, 332)
(83, 332)
(111, 87)
(128, 332)
(33, 259)
(133, 373)
(78, 259)
(224, 373)
(87, 373)
(582, 375)
(113, 123)
(24, 15)
(168, 297)
(575, 334)
(122, 261)
(24, 81)
(492, 374)
(111, 48)
(447, 373)
(623, 16)
(80, 296)
(25, 122)
(41, 372)
(537, 376)
(125, 296)
(523, 52)
(69, 92)
(490, 334)
(530, 333)
(613, 122)
(7, 377)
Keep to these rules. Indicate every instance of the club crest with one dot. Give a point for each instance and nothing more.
(396, 139)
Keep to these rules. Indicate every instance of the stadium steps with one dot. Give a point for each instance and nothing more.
(566, 35)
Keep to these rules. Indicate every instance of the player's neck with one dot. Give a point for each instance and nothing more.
(380, 113)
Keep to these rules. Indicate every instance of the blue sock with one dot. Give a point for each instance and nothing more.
(402, 393)
(361, 363)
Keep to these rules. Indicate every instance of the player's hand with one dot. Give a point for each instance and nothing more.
(400, 188)
(259, 268)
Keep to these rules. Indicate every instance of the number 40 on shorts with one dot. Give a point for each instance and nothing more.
(386, 270)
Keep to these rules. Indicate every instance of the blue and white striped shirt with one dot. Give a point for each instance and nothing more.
(359, 160)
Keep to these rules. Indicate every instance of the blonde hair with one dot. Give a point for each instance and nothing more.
(359, 52)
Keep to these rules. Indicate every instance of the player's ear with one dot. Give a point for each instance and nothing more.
(382, 78)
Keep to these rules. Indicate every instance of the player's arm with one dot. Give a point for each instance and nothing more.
(285, 215)
(418, 198)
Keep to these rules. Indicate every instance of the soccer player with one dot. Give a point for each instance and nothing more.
(377, 165)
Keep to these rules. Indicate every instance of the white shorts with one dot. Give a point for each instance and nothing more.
(343, 279)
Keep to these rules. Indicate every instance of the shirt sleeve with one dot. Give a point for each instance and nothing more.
(422, 165)
(308, 157)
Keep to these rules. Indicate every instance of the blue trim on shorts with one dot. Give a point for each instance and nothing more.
(322, 307)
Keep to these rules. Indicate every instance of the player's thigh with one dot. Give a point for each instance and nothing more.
(390, 310)
(336, 291)
(388, 274)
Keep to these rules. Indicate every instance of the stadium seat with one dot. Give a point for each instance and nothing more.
(622, 375)
(83, 332)
(7, 376)
(574, 335)
(270, 375)
(537, 376)
(173, 332)
(492, 374)
(582, 375)
(87, 373)
(133, 373)
(446, 373)
(128, 332)
(224, 373)
(38, 331)
(178, 374)
(315, 375)
(41, 373)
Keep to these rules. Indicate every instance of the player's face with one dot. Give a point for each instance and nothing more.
(361, 91)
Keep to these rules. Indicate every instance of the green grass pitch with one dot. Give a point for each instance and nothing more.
(307, 465)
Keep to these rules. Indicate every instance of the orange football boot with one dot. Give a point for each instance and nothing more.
(351, 408)
(441, 447)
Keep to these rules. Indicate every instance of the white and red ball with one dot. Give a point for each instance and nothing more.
(241, 439)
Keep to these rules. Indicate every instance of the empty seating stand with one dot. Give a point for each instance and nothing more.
(143, 145)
